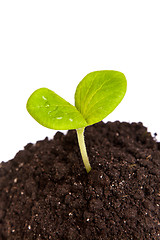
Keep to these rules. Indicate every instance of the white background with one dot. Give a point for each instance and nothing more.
(54, 44)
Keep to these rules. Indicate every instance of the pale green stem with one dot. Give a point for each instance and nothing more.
(82, 146)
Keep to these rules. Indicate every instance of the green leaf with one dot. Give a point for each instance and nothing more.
(99, 93)
(52, 111)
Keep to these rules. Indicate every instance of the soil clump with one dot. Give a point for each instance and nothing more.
(45, 192)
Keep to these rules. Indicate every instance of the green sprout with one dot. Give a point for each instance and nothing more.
(96, 96)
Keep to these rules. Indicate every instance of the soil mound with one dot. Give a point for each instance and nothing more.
(47, 194)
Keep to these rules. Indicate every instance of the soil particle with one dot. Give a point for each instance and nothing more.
(45, 192)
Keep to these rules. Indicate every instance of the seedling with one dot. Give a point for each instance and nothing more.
(96, 96)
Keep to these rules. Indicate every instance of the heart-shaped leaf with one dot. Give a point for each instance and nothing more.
(99, 93)
(52, 111)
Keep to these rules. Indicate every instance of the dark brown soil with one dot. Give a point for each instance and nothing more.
(47, 194)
